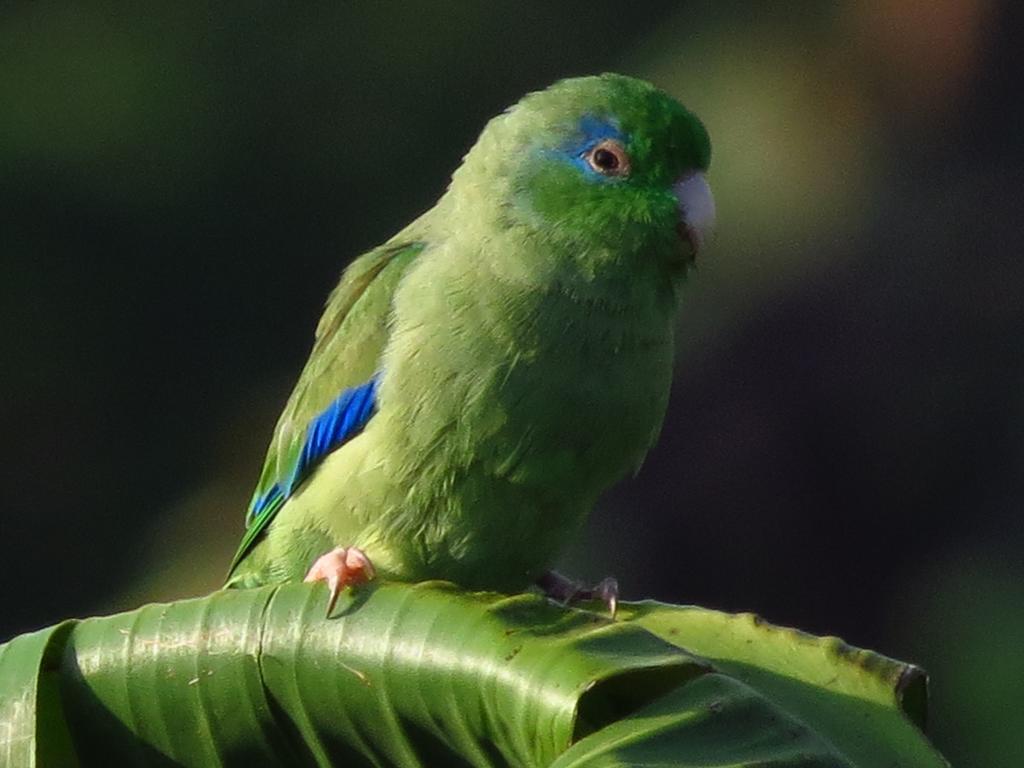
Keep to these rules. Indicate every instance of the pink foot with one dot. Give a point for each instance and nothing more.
(339, 568)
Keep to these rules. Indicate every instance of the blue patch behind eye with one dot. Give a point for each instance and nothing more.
(593, 130)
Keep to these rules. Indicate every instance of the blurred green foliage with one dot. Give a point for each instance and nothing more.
(962, 612)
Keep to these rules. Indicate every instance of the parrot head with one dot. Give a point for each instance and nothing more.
(608, 167)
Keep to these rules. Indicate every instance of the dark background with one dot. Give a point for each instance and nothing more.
(180, 187)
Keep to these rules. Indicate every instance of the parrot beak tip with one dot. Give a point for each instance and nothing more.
(696, 210)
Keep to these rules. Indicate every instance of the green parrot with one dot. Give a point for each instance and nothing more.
(480, 378)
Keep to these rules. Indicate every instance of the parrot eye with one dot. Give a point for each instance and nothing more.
(609, 158)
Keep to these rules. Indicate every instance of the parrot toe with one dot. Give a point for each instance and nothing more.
(341, 567)
(568, 592)
(607, 591)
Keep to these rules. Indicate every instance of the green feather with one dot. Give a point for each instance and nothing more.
(523, 331)
(349, 340)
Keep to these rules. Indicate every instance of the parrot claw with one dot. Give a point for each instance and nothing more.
(567, 592)
(607, 591)
(341, 567)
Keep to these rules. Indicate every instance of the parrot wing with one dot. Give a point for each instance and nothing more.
(335, 394)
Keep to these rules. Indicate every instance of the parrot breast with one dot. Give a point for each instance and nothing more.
(506, 408)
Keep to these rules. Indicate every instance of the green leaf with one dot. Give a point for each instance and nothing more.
(32, 726)
(427, 675)
(870, 708)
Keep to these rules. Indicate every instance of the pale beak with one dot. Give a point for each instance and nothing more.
(696, 209)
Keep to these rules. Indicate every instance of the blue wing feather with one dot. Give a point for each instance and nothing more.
(342, 420)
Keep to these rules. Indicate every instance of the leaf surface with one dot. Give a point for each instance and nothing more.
(427, 675)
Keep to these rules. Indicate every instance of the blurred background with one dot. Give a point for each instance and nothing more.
(180, 186)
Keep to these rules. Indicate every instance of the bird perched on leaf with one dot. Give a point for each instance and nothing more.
(480, 378)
